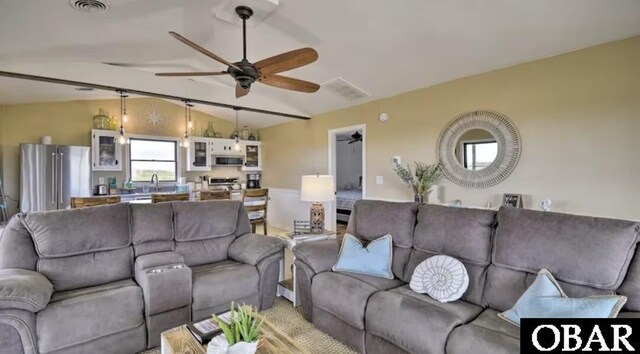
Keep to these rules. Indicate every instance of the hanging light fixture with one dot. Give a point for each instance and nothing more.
(237, 147)
(125, 118)
(190, 122)
(123, 112)
(185, 139)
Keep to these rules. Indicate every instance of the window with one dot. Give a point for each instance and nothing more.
(479, 154)
(149, 156)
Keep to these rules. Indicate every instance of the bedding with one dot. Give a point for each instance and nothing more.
(345, 199)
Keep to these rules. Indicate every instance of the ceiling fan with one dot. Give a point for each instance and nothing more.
(264, 71)
(354, 138)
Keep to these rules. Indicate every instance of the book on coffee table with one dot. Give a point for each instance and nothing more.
(206, 329)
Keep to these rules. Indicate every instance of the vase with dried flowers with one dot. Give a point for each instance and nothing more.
(421, 179)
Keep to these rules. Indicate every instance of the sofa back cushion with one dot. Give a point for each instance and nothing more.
(372, 219)
(462, 233)
(82, 247)
(16, 246)
(151, 228)
(587, 255)
(204, 230)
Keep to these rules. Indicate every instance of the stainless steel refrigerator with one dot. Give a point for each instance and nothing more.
(51, 174)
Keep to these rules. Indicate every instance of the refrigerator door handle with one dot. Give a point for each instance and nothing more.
(61, 169)
(53, 179)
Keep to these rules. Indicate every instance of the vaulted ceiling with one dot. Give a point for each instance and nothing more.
(382, 47)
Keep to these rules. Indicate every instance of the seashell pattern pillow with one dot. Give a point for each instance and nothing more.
(442, 277)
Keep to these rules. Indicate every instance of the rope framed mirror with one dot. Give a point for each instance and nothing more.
(479, 149)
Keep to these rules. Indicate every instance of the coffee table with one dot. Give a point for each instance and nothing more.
(179, 340)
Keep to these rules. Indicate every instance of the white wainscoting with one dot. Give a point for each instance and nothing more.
(285, 206)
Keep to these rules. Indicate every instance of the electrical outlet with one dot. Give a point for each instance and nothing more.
(396, 159)
(379, 179)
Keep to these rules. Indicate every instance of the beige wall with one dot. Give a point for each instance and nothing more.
(578, 115)
(70, 123)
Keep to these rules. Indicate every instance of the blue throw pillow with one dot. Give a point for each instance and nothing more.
(545, 299)
(375, 259)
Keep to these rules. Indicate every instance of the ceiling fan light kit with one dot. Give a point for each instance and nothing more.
(246, 73)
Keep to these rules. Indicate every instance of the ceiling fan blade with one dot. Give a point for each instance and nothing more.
(289, 83)
(203, 51)
(241, 91)
(201, 73)
(287, 61)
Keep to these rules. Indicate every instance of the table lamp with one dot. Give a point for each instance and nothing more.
(317, 189)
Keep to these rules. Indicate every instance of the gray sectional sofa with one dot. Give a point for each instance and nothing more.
(502, 252)
(109, 279)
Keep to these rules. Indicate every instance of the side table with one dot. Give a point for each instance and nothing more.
(287, 287)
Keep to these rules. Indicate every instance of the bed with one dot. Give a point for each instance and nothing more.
(345, 199)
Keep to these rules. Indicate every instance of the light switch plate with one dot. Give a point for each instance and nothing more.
(379, 179)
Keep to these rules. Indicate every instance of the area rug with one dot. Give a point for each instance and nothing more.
(289, 320)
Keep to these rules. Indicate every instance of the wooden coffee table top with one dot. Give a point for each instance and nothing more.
(179, 340)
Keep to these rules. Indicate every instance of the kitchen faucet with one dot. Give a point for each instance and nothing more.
(154, 179)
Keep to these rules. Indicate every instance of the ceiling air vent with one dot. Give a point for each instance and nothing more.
(345, 89)
(94, 6)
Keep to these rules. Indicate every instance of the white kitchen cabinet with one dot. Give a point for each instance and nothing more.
(198, 154)
(106, 151)
(222, 146)
(252, 151)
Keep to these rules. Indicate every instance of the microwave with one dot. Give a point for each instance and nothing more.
(227, 161)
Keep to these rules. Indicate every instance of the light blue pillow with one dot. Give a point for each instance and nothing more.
(375, 259)
(545, 299)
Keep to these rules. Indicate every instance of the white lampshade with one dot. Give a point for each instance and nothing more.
(317, 188)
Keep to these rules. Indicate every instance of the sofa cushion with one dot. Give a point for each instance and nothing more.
(201, 221)
(64, 233)
(83, 316)
(577, 249)
(204, 252)
(151, 227)
(462, 233)
(486, 334)
(415, 322)
(371, 219)
(91, 269)
(345, 295)
(222, 282)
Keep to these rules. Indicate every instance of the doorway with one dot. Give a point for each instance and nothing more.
(347, 165)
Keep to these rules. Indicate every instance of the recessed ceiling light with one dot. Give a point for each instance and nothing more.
(84, 88)
(93, 6)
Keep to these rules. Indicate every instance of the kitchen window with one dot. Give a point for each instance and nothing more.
(153, 156)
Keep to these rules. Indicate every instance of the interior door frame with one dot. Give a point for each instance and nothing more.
(332, 135)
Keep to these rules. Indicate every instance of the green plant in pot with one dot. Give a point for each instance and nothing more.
(241, 334)
(421, 179)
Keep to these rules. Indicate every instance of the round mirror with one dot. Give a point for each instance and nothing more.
(478, 149)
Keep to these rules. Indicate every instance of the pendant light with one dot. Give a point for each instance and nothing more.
(236, 146)
(123, 112)
(185, 139)
(190, 122)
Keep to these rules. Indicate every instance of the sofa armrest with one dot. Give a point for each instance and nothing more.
(252, 248)
(24, 289)
(320, 256)
(158, 259)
